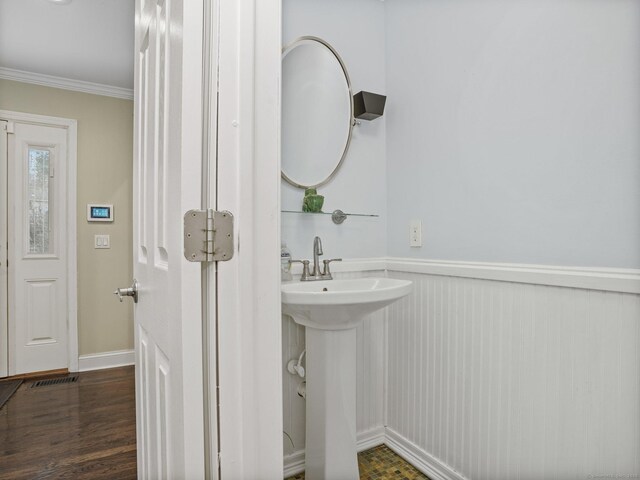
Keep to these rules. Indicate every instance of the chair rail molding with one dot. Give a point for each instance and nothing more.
(621, 280)
(608, 279)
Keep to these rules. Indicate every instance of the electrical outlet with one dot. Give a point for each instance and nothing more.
(102, 241)
(415, 233)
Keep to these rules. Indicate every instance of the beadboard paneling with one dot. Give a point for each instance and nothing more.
(501, 380)
(370, 377)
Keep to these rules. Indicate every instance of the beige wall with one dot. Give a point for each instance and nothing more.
(105, 163)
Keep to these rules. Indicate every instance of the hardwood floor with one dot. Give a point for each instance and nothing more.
(80, 430)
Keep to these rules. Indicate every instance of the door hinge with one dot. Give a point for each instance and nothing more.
(208, 236)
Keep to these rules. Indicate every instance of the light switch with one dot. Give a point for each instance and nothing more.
(102, 241)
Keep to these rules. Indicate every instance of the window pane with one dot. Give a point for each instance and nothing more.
(38, 199)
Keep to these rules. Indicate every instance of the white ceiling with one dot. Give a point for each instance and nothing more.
(88, 40)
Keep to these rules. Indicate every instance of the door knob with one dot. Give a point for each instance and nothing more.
(131, 291)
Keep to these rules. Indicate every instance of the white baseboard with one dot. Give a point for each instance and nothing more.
(430, 466)
(370, 439)
(100, 361)
(294, 463)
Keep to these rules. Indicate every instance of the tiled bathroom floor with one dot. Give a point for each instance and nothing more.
(380, 463)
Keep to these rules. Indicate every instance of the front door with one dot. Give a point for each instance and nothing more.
(167, 183)
(38, 248)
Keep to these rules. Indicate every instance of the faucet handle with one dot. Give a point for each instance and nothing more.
(327, 272)
(305, 269)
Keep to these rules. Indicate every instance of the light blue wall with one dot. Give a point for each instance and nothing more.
(355, 28)
(513, 130)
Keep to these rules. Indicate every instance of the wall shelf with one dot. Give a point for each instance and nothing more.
(337, 216)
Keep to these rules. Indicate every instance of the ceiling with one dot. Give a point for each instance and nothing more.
(88, 40)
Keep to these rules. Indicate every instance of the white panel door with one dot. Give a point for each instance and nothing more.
(4, 332)
(167, 183)
(38, 324)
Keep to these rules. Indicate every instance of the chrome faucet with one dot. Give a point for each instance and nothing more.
(317, 252)
(315, 274)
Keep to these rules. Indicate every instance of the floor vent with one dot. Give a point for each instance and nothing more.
(55, 381)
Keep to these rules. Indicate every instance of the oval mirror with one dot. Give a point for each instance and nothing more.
(317, 112)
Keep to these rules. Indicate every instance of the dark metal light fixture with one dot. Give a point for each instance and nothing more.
(368, 106)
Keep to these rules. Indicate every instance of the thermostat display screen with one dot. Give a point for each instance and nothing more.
(100, 212)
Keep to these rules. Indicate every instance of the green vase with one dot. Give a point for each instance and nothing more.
(312, 202)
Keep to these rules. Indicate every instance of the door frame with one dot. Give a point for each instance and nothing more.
(71, 127)
(248, 331)
(4, 254)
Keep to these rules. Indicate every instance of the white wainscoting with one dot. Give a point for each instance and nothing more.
(370, 388)
(499, 380)
(494, 371)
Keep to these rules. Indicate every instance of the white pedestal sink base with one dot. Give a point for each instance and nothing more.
(331, 452)
(331, 310)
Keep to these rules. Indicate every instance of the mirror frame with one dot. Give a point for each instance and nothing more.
(326, 44)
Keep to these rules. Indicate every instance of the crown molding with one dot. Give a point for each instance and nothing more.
(65, 83)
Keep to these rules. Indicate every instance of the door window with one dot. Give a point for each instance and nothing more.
(39, 176)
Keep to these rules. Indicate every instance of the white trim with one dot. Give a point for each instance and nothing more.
(248, 184)
(100, 361)
(65, 83)
(385, 368)
(294, 463)
(608, 279)
(31, 118)
(370, 438)
(430, 466)
(72, 247)
(4, 236)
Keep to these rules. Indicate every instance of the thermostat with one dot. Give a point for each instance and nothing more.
(99, 213)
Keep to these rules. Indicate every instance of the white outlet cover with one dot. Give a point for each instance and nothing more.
(415, 233)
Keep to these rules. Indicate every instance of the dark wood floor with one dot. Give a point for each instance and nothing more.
(79, 430)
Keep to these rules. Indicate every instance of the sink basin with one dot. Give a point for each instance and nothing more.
(339, 304)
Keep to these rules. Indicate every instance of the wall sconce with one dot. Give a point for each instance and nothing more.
(368, 106)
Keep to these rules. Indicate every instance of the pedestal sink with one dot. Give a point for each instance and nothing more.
(331, 310)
